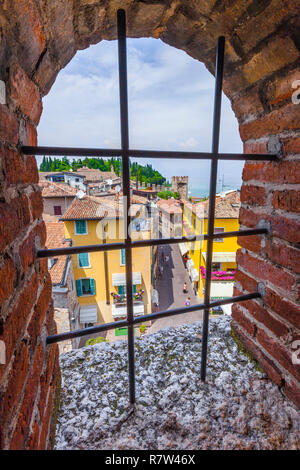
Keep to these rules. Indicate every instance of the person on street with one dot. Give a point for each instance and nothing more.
(185, 288)
(187, 303)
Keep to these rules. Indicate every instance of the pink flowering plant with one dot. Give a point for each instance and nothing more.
(219, 275)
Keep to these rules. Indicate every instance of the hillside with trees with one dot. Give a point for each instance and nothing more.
(144, 173)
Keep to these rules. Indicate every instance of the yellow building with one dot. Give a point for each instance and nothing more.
(224, 249)
(100, 276)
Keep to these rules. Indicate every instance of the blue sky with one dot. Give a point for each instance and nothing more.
(170, 107)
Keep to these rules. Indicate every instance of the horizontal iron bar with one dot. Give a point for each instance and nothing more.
(143, 243)
(151, 316)
(72, 250)
(92, 152)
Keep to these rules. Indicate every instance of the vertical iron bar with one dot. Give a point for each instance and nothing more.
(121, 20)
(212, 195)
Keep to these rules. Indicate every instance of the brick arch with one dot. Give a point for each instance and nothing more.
(38, 38)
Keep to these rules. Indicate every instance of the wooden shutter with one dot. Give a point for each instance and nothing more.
(93, 288)
(123, 256)
(79, 288)
(83, 259)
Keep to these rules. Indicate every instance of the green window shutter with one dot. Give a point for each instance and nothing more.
(79, 288)
(121, 290)
(123, 256)
(134, 288)
(93, 288)
(83, 259)
(80, 226)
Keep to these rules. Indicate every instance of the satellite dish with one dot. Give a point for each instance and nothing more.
(80, 194)
(118, 188)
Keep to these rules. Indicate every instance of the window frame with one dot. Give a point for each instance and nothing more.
(86, 227)
(83, 279)
(78, 263)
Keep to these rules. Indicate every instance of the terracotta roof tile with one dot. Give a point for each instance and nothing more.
(56, 239)
(92, 208)
(227, 206)
(51, 189)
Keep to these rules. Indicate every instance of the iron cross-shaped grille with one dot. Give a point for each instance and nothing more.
(125, 153)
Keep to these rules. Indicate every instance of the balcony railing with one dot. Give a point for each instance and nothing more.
(125, 153)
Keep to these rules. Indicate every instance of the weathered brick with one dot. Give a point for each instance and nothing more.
(248, 283)
(282, 227)
(291, 146)
(16, 320)
(14, 217)
(27, 251)
(292, 391)
(283, 254)
(252, 243)
(265, 317)
(25, 413)
(16, 380)
(24, 93)
(37, 319)
(247, 104)
(266, 363)
(279, 352)
(8, 125)
(269, 172)
(258, 27)
(36, 202)
(253, 195)
(266, 271)
(256, 147)
(279, 120)
(288, 200)
(245, 323)
(7, 278)
(284, 308)
(33, 439)
(281, 89)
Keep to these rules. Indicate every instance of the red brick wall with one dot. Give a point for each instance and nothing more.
(269, 328)
(30, 373)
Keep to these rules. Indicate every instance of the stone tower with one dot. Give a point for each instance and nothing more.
(180, 185)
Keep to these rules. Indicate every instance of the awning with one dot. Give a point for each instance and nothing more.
(227, 309)
(221, 289)
(194, 275)
(88, 313)
(121, 310)
(222, 257)
(183, 248)
(120, 279)
(190, 264)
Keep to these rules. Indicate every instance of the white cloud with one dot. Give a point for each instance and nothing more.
(170, 105)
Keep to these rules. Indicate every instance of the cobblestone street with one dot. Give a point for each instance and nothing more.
(170, 290)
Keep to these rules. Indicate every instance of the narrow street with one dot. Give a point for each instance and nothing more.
(170, 290)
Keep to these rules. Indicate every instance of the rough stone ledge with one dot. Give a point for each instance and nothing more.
(237, 407)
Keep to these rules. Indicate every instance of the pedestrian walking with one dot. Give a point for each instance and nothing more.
(185, 290)
(167, 259)
(187, 303)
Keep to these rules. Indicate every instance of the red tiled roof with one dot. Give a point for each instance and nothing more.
(56, 239)
(227, 206)
(92, 208)
(172, 206)
(92, 174)
(51, 189)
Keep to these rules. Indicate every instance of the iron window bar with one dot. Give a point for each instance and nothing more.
(128, 245)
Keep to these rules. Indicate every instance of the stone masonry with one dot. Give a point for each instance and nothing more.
(38, 38)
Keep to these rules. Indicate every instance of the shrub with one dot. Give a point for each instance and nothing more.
(92, 341)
